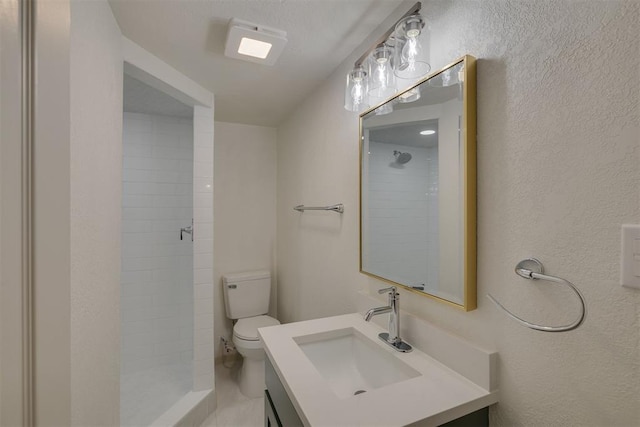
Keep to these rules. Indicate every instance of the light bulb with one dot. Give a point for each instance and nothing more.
(382, 83)
(446, 78)
(412, 43)
(409, 53)
(356, 97)
(411, 47)
(357, 92)
(380, 74)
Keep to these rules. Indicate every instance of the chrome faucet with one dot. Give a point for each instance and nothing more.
(393, 336)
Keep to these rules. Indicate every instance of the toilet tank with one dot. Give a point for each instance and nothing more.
(246, 294)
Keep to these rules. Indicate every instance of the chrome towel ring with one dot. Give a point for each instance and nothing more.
(532, 269)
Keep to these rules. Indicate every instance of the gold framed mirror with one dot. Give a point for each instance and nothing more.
(418, 187)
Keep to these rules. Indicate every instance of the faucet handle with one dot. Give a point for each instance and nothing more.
(392, 290)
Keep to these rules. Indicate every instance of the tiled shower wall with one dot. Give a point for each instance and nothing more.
(157, 290)
(203, 375)
(405, 244)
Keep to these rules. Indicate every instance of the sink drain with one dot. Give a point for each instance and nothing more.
(359, 392)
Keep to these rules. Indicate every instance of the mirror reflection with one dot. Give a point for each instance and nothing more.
(417, 175)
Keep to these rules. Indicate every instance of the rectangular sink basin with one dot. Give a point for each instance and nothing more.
(351, 363)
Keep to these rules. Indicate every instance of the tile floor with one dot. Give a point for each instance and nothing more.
(234, 409)
(147, 394)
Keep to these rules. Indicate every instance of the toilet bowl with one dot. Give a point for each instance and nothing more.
(248, 344)
(246, 297)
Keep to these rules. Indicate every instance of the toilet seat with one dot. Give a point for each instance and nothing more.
(247, 328)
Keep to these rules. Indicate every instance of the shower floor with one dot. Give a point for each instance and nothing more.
(145, 395)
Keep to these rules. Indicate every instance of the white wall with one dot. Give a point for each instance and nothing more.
(11, 214)
(245, 209)
(51, 216)
(318, 252)
(558, 155)
(77, 172)
(95, 183)
(203, 134)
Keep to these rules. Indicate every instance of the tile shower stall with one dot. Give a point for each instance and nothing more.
(166, 282)
(407, 247)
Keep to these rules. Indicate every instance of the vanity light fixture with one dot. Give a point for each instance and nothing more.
(384, 109)
(382, 79)
(401, 53)
(356, 92)
(410, 96)
(427, 132)
(411, 53)
(448, 78)
(253, 42)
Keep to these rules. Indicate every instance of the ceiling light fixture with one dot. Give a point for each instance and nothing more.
(253, 42)
(401, 53)
(427, 132)
(254, 48)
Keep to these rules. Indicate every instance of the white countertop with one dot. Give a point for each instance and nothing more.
(437, 396)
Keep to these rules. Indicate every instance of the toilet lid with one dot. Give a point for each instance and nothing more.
(247, 328)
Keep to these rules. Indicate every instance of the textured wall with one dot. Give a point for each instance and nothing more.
(244, 209)
(11, 245)
(51, 214)
(96, 162)
(558, 172)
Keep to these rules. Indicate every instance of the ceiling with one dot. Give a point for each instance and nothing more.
(142, 98)
(190, 35)
(406, 134)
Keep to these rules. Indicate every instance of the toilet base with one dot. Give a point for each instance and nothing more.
(251, 377)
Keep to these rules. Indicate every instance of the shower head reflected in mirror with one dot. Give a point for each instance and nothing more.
(401, 158)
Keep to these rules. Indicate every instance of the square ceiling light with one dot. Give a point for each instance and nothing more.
(253, 42)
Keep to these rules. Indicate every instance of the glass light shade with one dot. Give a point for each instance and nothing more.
(446, 78)
(411, 60)
(461, 74)
(382, 80)
(385, 108)
(410, 96)
(357, 90)
(449, 78)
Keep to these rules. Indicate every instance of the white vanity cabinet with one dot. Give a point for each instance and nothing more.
(280, 412)
(313, 379)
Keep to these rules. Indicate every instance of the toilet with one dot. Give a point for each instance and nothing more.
(246, 299)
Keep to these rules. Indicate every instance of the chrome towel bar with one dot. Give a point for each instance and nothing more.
(335, 208)
(532, 269)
